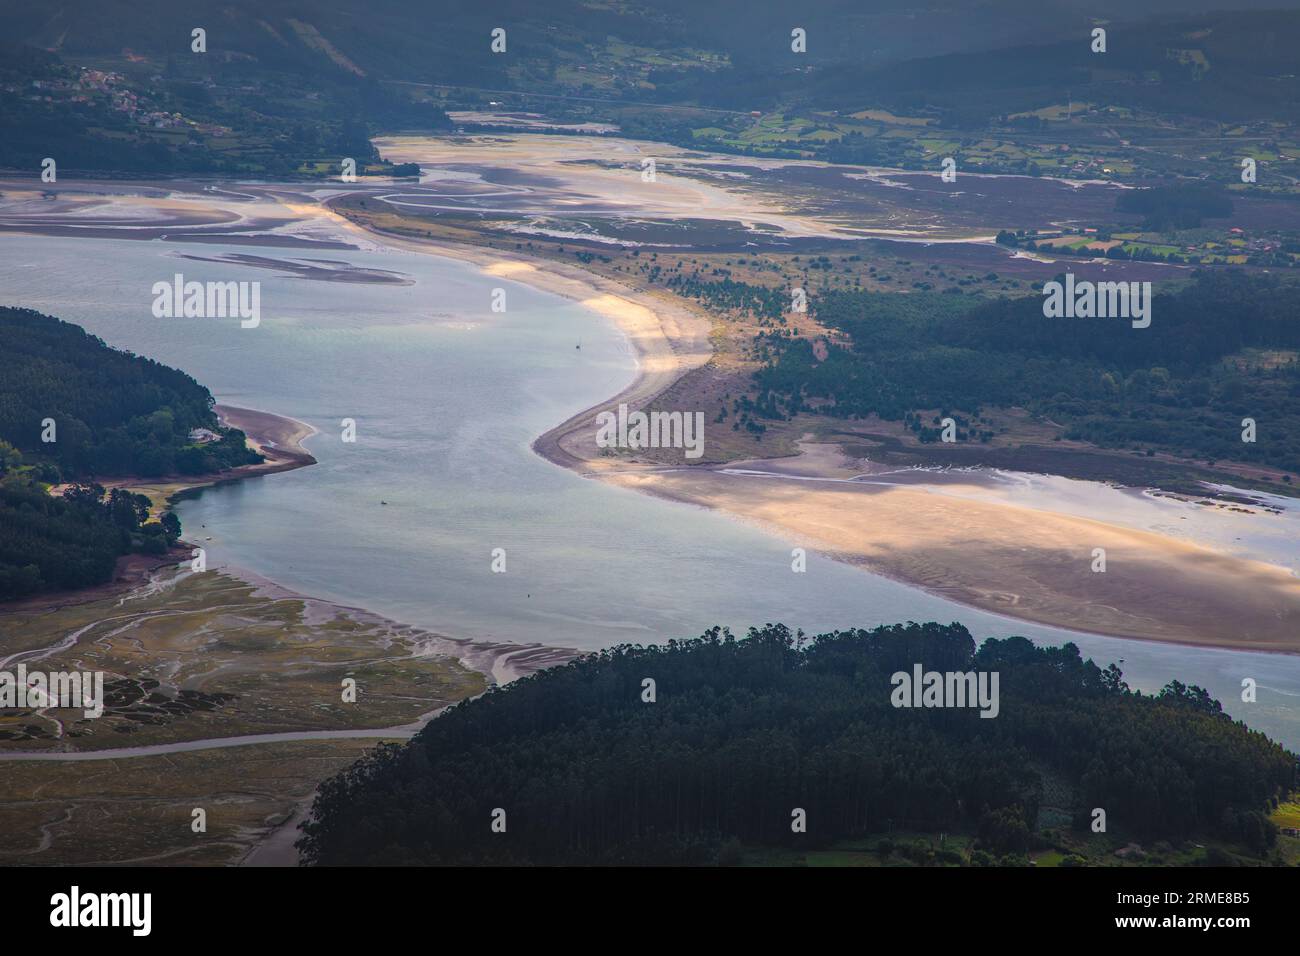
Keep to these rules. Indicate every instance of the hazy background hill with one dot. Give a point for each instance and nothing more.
(296, 83)
(434, 40)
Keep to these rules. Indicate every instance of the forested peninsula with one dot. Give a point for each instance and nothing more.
(73, 412)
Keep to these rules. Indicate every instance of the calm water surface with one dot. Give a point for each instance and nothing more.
(447, 396)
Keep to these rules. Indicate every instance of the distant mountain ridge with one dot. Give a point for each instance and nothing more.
(401, 38)
(286, 90)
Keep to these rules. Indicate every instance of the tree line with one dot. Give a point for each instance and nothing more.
(73, 540)
(740, 733)
(1219, 350)
(108, 413)
(112, 412)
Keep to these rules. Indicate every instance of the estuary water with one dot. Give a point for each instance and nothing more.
(447, 396)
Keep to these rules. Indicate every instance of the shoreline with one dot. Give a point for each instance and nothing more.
(223, 617)
(1020, 563)
(669, 336)
(670, 339)
(279, 439)
(276, 437)
(1178, 593)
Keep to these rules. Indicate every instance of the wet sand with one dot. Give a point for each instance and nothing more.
(567, 177)
(1019, 561)
(1012, 559)
(277, 438)
(1022, 562)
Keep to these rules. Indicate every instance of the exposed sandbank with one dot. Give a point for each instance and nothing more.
(669, 335)
(1013, 560)
(1021, 562)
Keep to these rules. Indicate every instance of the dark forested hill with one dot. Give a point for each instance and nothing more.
(298, 85)
(72, 408)
(437, 41)
(50, 543)
(582, 768)
(112, 413)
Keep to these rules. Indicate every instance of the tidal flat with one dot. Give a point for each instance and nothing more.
(142, 811)
(450, 398)
(194, 656)
(222, 695)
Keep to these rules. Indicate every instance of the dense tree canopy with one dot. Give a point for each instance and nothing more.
(1181, 206)
(113, 413)
(71, 541)
(110, 413)
(742, 731)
